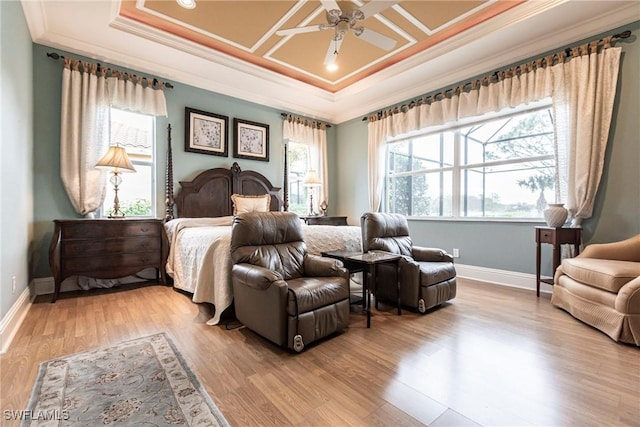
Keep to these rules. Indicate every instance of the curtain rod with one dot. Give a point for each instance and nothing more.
(56, 56)
(317, 122)
(495, 75)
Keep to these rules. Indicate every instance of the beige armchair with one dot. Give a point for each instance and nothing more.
(601, 287)
(280, 292)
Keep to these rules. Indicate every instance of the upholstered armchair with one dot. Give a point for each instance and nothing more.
(427, 275)
(280, 291)
(601, 287)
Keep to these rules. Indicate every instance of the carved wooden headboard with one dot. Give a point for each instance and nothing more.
(209, 193)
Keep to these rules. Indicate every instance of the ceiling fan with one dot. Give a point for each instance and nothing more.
(344, 20)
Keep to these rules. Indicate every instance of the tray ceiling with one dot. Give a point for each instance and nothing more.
(247, 31)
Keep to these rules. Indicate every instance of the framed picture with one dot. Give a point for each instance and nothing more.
(251, 140)
(206, 133)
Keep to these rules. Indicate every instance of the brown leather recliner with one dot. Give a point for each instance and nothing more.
(427, 275)
(280, 292)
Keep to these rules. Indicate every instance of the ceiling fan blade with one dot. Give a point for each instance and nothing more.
(300, 30)
(330, 5)
(377, 39)
(332, 51)
(375, 6)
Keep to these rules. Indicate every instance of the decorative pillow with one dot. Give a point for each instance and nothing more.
(250, 203)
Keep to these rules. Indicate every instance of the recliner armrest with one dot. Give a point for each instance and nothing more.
(430, 254)
(317, 266)
(255, 276)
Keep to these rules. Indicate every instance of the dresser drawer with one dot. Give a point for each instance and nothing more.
(109, 228)
(114, 262)
(546, 236)
(116, 245)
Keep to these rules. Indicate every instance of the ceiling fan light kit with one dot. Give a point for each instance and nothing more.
(342, 21)
(187, 4)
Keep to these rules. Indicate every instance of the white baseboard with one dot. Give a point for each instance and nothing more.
(11, 322)
(507, 278)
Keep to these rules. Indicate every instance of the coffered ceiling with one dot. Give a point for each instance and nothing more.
(248, 30)
(406, 48)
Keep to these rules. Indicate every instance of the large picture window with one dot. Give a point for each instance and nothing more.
(134, 132)
(503, 167)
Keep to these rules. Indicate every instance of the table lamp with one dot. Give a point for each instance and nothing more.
(117, 161)
(311, 180)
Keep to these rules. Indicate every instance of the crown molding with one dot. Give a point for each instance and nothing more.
(527, 30)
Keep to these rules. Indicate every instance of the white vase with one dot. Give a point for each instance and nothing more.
(555, 215)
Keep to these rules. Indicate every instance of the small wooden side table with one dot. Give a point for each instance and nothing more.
(325, 220)
(370, 261)
(555, 236)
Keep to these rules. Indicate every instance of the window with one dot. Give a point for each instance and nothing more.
(298, 157)
(503, 167)
(136, 133)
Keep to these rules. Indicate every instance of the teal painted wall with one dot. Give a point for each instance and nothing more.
(511, 245)
(51, 201)
(507, 246)
(16, 152)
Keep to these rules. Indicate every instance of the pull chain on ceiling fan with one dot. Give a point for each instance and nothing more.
(343, 21)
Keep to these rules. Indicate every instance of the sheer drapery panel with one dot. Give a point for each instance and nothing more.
(314, 135)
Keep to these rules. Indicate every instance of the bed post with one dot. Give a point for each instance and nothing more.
(285, 184)
(168, 185)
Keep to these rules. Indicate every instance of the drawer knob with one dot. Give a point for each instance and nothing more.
(144, 229)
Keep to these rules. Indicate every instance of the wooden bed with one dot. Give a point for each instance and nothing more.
(198, 224)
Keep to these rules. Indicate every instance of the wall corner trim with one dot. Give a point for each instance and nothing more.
(11, 322)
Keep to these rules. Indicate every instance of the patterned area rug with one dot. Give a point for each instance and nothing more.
(140, 382)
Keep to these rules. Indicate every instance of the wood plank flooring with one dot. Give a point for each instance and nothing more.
(492, 356)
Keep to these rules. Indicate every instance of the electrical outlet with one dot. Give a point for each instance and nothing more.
(456, 253)
(13, 284)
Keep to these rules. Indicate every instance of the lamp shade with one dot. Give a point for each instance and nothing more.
(311, 179)
(117, 159)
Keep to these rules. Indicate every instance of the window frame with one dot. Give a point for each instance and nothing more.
(457, 168)
(152, 163)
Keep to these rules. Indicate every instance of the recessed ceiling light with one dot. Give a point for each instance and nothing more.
(332, 66)
(187, 4)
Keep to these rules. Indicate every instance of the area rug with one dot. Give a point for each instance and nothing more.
(139, 382)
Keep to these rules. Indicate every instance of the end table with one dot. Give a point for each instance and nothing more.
(555, 236)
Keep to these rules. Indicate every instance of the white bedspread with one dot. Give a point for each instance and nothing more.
(200, 263)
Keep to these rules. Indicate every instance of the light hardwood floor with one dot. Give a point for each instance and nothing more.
(493, 356)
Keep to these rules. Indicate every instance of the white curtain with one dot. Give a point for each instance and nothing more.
(314, 135)
(84, 134)
(583, 116)
(582, 92)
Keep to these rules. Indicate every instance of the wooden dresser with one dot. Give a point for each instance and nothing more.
(107, 248)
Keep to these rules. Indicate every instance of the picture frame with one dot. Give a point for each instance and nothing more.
(206, 133)
(251, 140)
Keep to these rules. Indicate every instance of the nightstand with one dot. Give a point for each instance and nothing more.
(107, 248)
(555, 236)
